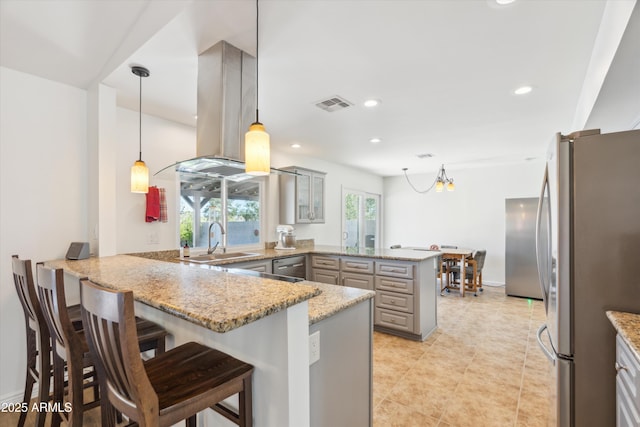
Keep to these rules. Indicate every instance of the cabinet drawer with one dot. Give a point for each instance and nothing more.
(325, 276)
(629, 372)
(356, 265)
(394, 319)
(394, 269)
(326, 262)
(354, 280)
(395, 285)
(394, 301)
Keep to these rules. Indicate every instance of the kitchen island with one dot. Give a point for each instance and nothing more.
(404, 279)
(261, 321)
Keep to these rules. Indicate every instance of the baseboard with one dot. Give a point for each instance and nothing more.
(16, 397)
(492, 284)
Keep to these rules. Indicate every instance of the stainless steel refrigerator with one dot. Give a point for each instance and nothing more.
(588, 252)
(521, 269)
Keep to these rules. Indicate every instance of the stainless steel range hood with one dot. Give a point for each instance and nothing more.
(226, 108)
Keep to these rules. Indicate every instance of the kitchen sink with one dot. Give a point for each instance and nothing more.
(204, 258)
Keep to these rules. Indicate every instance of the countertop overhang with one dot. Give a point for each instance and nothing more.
(628, 326)
(217, 300)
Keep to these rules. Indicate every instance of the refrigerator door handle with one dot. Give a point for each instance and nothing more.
(542, 275)
(550, 354)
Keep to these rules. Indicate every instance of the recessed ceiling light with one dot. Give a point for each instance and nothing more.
(504, 2)
(295, 145)
(522, 90)
(375, 140)
(371, 103)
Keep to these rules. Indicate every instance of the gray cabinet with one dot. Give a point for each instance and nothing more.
(394, 296)
(325, 269)
(353, 272)
(627, 386)
(302, 196)
(405, 301)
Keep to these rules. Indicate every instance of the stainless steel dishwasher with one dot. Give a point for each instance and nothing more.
(293, 266)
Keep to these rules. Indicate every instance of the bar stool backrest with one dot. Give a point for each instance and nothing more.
(51, 295)
(23, 281)
(110, 327)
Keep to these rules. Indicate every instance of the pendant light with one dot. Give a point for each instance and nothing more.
(256, 140)
(439, 182)
(139, 170)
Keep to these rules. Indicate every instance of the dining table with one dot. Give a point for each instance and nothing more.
(460, 255)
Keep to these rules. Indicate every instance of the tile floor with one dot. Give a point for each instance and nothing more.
(482, 367)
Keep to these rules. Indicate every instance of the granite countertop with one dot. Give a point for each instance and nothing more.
(628, 326)
(333, 299)
(415, 255)
(219, 301)
(214, 299)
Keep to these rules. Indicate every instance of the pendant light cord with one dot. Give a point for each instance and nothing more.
(257, 65)
(140, 118)
(414, 188)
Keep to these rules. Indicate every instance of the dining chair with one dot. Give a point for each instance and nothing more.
(165, 389)
(445, 264)
(70, 352)
(473, 272)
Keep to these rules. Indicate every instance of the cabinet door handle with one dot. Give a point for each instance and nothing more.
(620, 367)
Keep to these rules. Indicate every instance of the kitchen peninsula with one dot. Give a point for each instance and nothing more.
(262, 321)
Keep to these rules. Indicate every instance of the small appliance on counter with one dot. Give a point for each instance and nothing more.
(78, 250)
(286, 237)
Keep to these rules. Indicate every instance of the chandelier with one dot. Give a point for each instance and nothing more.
(439, 183)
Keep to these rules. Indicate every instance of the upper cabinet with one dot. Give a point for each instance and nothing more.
(301, 196)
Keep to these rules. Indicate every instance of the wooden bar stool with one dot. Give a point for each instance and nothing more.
(69, 347)
(168, 388)
(38, 341)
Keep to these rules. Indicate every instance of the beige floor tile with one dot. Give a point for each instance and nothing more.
(392, 414)
(482, 364)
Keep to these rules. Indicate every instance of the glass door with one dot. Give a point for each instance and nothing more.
(360, 219)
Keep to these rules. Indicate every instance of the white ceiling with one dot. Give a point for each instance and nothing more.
(444, 70)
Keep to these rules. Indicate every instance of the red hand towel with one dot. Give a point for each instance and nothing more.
(153, 205)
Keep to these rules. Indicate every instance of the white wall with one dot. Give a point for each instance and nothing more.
(43, 192)
(163, 143)
(472, 216)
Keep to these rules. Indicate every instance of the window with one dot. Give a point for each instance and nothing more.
(233, 203)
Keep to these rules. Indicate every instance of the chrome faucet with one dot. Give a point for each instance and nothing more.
(222, 232)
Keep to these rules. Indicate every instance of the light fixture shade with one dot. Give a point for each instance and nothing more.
(139, 177)
(451, 186)
(257, 155)
(439, 186)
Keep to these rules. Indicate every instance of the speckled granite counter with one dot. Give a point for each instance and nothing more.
(628, 326)
(416, 255)
(216, 300)
(333, 299)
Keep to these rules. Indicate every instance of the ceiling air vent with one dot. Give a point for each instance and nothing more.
(334, 103)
